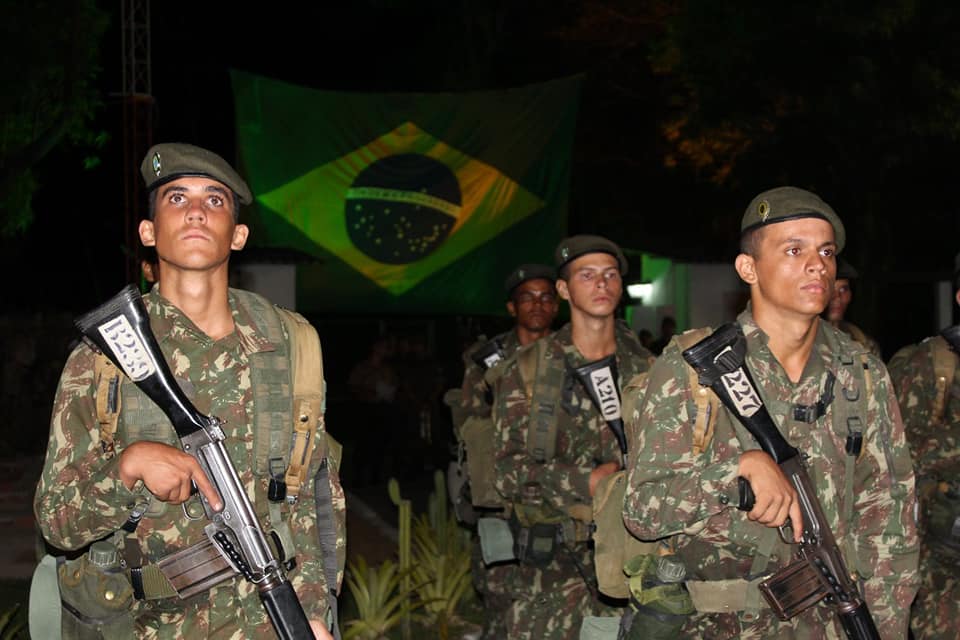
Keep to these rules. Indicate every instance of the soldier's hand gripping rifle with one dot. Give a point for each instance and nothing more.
(818, 573)
(120, 328)
(600, 379)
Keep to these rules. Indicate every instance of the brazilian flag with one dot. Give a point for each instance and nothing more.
(410, 203)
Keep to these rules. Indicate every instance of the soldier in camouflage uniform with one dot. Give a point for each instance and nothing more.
(532, 302)
(814, 380)
(550, 601)
(842, 295)
(928, 389)
(211, 336)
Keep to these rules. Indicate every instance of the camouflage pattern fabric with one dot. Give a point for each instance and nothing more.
(475, 397)
(672, 492)
(859, 335)
(80, 497)
(551, 602)
(492, 583)
(933, 437)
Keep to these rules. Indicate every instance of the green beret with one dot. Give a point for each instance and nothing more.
(528, 272)
(791, 203)
(575, 246)
(845, 270)
(169, 161)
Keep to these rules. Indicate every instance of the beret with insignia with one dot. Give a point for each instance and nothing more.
(169, 161)
(528, 272)
(790, 203)
(573, 247)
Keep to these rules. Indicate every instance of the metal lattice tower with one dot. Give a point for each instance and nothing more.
(137, 97)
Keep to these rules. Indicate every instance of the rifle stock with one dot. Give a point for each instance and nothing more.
(601, 381)
(819, 572)
(120, 328)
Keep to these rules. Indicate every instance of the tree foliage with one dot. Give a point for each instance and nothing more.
(49, 61)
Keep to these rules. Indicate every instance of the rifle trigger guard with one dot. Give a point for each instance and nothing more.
(783, 536)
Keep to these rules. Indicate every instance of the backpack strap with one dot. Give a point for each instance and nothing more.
(309, 406)
(108, 400)
(308, 397)
(944, 369)
(705, 400)
(542, 371)
(850, 418)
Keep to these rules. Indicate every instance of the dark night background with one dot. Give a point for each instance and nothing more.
(688, 110)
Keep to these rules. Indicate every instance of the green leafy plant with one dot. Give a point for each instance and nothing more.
(10, 625)
(441, 569)
(381, 603)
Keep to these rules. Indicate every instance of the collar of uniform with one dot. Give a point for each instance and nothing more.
(252, 338)
(820, 359)
(167, 320)
(564, 338)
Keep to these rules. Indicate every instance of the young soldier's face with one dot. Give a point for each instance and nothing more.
(534, 304)
(593, 286)
(794, 268)
(842, 295)
(194, 228)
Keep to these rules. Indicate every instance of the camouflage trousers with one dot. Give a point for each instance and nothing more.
(816, 623)
(550, 603)
(494, 586)
(935, 614)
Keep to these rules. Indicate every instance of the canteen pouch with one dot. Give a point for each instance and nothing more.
(599, 628)
(478, 437)
(96, 596)
(496, 540)
(613, 544)
(659, 602)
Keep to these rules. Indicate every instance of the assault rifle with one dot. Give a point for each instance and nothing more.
(488, 354)
(818, 572)
(120, 328)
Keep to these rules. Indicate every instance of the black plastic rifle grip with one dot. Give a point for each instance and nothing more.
(747, 499)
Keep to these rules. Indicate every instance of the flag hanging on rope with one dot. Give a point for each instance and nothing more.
(417, 203)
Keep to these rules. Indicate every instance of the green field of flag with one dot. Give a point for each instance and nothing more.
(409, 203)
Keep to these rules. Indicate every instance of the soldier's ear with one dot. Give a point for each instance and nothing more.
(240, 233)
(147, 237)
(957, 296)
(511, 309)
(562, 289)
(746, 268)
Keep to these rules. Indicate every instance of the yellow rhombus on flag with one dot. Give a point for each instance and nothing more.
(428, 205)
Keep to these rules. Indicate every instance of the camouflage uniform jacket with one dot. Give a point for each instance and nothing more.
(583, 438)
(859, 335)
(933, 434)
(80, 497)
(673, 492)
(475, 396)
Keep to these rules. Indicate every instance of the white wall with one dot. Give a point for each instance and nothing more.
(715, 294)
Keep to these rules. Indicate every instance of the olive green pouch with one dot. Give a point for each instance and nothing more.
(659, 600)
(613, 544)
(44, 611)
(496, 540)
(478, 437)
(97, 596)
(599, 628)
